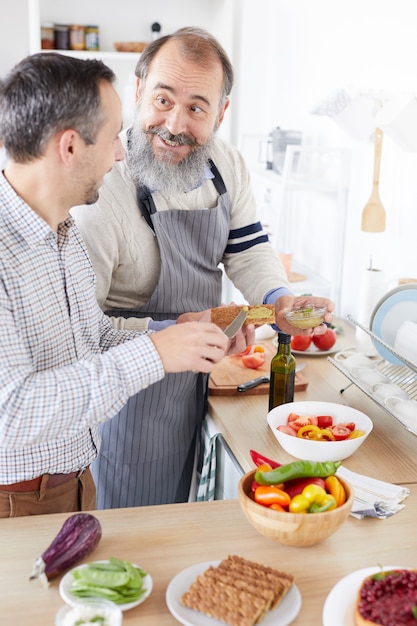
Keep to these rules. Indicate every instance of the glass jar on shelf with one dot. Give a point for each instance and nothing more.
(76, 37)
(47, 36)
(61, 36)
(92, 37)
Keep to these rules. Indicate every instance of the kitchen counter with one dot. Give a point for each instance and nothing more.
(166, 539)
(388, 454)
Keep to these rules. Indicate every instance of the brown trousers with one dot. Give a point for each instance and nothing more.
(77, 494)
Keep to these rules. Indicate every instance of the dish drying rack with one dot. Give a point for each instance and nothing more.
(403, 375)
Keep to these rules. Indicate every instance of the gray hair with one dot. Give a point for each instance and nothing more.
(47, 93)
(197, 45)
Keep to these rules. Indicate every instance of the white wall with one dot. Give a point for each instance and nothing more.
(288, 56)
(14, 42)
(292, 55)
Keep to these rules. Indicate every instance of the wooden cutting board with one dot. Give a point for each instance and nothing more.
(231, 372)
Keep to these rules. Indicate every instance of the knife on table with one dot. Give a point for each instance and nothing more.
(250, 384)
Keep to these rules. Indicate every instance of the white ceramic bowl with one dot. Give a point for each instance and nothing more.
(311, 450)
(86, 609)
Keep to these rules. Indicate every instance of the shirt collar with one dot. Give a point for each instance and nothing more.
(23, 218)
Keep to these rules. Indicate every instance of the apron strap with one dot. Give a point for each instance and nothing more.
(218, 181)
(146, 205)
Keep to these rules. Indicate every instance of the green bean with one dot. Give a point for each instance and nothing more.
(116, 580)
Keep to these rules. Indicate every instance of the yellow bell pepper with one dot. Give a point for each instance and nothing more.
(313, 499)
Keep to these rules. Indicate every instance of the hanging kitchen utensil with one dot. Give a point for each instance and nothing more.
(373, 214)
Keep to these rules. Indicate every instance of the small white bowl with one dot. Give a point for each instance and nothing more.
(87, 609)
(310, 450)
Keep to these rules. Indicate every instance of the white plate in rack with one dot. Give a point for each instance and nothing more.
(397, 306)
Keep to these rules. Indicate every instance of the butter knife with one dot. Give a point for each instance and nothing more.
(250, 384)
(234, 327)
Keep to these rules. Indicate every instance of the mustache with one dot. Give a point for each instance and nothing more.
(181, 139)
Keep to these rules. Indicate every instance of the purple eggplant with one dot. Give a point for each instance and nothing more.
(79, 535)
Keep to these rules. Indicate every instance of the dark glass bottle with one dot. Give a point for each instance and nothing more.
(282, 379)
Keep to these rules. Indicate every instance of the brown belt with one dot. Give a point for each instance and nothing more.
(35, 483)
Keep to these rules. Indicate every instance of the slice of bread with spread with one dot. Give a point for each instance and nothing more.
(386, 598)
(257, 314)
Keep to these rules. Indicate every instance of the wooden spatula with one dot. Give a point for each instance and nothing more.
(373, 214)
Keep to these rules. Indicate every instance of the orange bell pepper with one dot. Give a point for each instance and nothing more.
(336, 489)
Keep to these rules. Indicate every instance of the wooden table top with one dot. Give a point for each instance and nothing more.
(167, 539)
(388, 453)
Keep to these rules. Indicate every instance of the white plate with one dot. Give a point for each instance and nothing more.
(397, 306)
(312, 350)
(339, 607)
(69, 598)
(284, 614)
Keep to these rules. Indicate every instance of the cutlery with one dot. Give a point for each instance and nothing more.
(250, 384)
(373, 214)
(234, 326)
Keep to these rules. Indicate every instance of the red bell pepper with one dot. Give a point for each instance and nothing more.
(260, 459)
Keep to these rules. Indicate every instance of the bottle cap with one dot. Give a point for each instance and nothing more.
(284, 338)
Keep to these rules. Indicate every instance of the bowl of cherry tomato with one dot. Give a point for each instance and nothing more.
(300, 511)
(319, 431)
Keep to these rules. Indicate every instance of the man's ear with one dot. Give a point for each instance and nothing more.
(67, 144)
(222, 112)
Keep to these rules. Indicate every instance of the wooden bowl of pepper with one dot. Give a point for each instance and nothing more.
(294, 529)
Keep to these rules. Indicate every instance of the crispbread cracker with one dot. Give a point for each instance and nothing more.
(232, 606)
(251, 585)
(279, 582)
(237, 592)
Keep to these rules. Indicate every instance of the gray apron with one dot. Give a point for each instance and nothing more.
(148, 449)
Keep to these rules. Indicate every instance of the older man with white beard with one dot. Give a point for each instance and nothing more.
(177, 208)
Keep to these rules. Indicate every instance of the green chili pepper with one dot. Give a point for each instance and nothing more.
(414, 611)
(297, 469)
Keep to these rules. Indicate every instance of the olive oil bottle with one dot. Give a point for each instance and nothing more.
(282, 378)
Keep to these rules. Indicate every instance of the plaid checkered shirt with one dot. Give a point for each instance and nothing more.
(63, 368)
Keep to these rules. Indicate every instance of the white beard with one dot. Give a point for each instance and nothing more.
(163, 175)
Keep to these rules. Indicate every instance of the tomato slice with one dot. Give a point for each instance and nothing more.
(292, 417)
(299, 422)
(245, 351)
(340, 432)
(253, 361)
(287, 430)
(350, 425)
(324, 421)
